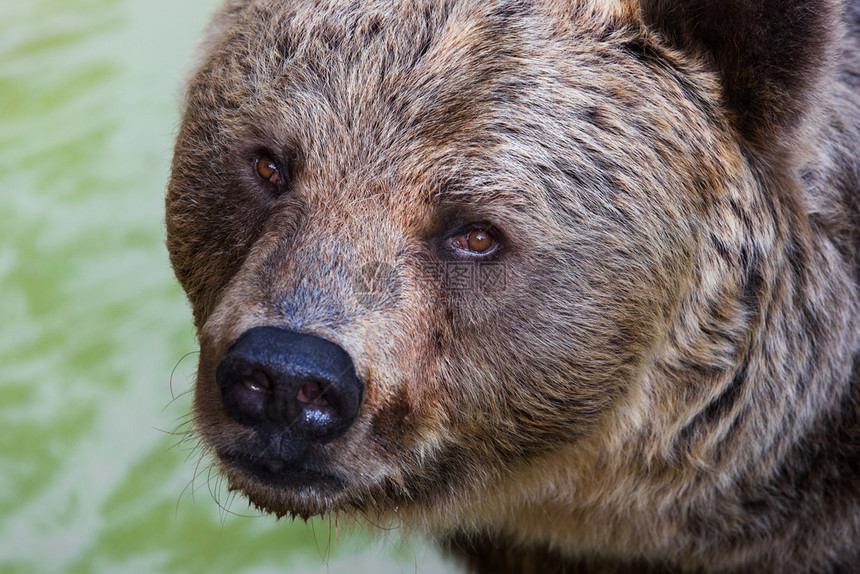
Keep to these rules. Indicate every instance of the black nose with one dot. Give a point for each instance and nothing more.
(289, 383)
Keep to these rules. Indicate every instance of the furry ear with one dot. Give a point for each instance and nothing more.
(772, 56)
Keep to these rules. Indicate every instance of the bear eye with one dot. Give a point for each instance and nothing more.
(475, 242)
(267, 169)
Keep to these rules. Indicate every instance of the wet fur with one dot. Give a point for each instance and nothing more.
(669, 379)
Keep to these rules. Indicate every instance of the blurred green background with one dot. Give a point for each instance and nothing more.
(96, 344)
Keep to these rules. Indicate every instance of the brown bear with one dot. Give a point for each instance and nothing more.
(571, 285)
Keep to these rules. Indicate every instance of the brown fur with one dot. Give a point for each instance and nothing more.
(668, 378)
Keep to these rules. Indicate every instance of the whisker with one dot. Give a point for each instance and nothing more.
(173, 372)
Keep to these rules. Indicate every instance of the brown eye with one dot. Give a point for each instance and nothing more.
(267, 169)
(478, 241)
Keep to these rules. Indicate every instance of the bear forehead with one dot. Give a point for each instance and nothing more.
(406, 90)
(435, 50)
(352, 55)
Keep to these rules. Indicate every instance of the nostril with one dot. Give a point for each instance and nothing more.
(313, 397)
(247, 392)
(312, 394)
(258, 382)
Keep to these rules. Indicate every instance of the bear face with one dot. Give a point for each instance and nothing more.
(588, 277)
(541, 239)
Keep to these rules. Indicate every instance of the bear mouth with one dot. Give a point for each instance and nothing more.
(282, 473)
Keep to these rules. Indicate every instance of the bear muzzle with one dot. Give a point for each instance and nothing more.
(294, 390)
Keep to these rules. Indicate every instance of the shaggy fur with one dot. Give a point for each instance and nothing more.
(668, 376)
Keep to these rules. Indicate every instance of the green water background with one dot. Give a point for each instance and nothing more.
(92, 323)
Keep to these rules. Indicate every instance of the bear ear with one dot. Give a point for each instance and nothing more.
(772, 56)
